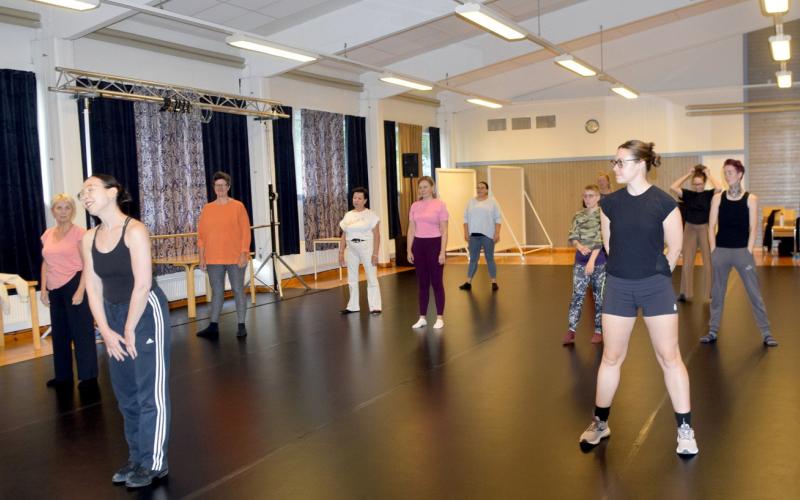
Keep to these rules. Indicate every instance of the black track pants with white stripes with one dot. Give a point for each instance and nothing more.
(141, 385)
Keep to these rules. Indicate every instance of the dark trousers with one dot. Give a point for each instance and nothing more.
(429, 272)
(141, 385)
(72, 325)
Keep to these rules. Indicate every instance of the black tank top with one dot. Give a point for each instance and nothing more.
(114, 269)
(733, 222)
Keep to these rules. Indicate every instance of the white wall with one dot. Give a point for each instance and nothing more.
(661, 120)
(400, 111)
(20, 38)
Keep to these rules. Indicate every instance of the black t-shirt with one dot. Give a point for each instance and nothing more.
(636, 245)
(698, 205)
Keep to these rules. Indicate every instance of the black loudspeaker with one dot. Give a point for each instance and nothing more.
(400, 254)
(410, 165)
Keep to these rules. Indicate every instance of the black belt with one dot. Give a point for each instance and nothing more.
(356, 240)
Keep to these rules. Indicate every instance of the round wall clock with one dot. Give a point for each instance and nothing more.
(592, 126)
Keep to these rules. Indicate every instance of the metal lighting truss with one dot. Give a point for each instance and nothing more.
(91, 84)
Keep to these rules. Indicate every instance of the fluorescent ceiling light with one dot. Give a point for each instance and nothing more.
(254, 44)
(569, 62)
(781, 47)
(484, 102)
(775, 6)
(489, 20)
(405, 83)
(784, 79)
(73, 4)
(625, 92)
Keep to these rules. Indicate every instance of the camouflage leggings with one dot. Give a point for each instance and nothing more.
(580, 282)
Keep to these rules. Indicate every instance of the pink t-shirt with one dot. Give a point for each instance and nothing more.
(63, 257)
(427, 214)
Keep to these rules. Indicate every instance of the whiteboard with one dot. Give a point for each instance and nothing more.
(455, 187)
(506, 185)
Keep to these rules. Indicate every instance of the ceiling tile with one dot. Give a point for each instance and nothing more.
(189, 7)
(222, 13)
(249, 22)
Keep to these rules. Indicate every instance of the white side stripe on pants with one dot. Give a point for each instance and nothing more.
(160, 384)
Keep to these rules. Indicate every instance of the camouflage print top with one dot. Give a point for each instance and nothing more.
(586, 229)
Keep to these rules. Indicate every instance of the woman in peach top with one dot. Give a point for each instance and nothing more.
(223, 239)
(63, 288)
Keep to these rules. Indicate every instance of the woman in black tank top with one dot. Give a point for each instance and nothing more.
(130, 312)
(732, 228)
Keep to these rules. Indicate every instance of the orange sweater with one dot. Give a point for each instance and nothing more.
(223, 232)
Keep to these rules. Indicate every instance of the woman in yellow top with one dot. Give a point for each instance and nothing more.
(223, 240)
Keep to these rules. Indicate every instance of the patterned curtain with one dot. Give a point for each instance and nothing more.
(172, 184)
(324, 174)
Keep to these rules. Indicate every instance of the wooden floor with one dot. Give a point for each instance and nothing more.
(19, 346)
(315, 405)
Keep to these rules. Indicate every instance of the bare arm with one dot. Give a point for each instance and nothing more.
(497, 232)
(752, 206)
(443, 250)
(466, 232)
(342, 248)
(412, 227)
(137, 240)
(44, 296)
(605, 229)
(376, 243)
(713, 217)
(676, 186)
(78, 296)
(673, 236)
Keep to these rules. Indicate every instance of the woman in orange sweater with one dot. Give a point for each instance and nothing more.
(223, 240)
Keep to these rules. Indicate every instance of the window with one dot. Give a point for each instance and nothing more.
(426, 152)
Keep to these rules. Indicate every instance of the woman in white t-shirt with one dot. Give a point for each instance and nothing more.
(361, 239)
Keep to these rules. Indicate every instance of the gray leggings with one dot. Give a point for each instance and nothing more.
(722, 260)
(216, 275)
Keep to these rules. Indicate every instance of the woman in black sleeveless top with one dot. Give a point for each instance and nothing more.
(637, 222)
(131, 313)
(732, 226)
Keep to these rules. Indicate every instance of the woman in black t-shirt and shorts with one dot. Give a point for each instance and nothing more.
(637, 222)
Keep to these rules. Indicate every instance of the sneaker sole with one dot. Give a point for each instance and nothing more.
(687, 453)
(604, 435)
(161, 475)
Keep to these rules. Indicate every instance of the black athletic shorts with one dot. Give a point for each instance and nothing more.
(654, 294)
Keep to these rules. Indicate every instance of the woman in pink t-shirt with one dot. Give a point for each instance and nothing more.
(427, 241)
(63, 292)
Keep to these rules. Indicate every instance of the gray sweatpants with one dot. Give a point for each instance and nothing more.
(216, 275)
(722, 260)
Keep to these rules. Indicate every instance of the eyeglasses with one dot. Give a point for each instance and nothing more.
(620, 162)
(221, 184)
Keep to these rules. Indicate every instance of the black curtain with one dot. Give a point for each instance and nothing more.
(22, 201)
(390, 143)
(436, 154)
(225, 149)
(112, 131)
(355, 129)
(283, 147)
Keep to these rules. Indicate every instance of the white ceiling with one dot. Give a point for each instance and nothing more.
(655, 46)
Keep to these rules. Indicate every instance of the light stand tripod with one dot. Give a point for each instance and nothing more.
(274, 256)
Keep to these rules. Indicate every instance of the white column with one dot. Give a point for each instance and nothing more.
(444, 120)
(62, 128)
(371, 109)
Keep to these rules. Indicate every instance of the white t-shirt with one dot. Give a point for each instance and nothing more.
(359, 225)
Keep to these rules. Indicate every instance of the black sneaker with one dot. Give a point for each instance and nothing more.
(209, 332)
(241, 331)
(770, 341)
(124, 473)
(347, 311)
(495, 287)
(466, 286)
(708, 339)
(142, 477)
(681, 298)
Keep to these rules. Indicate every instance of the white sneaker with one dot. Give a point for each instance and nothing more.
(596, 431)
(687, 445)
(420, 323)
(439, 324)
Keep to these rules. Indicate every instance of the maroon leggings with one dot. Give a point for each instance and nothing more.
(429, 272)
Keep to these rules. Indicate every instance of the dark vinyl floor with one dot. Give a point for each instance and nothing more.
(313, 405)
